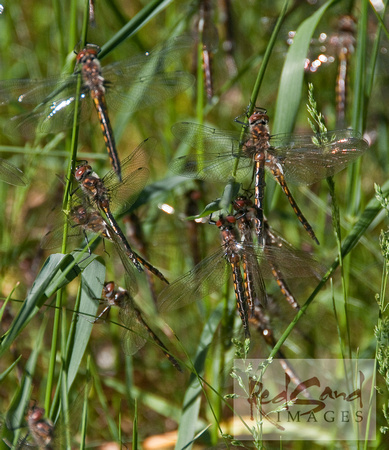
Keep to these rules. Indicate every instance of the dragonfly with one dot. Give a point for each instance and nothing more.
(107, 193)
(339, 46)
(135, 335)
(132, 84)
(245, 216)
(40, 428)
(11, 174)
(299, 159)
(209, 38)
(235, 255)
(84, 220)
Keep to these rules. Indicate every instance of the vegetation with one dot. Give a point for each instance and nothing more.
(50, 348)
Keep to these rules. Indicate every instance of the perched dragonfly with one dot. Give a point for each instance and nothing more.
(209, 39)
(300, 159)
(245, 216)
(135, 335)
(136, 83)
(339, 46)
(84, 219)
(40, 428)
(11, 174)
(235, 255)
(41, 434)
(107, 193)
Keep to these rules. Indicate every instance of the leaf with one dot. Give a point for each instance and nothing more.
(192, 398)
(53, 266)
(92, 281)
(289, 92)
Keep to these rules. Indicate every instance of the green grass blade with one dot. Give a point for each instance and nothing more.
(134, 25)
(366, 218)
(289, 92)
(92, 281)
(10, 368)
(191, 405)
(15, 415)
(53, 266)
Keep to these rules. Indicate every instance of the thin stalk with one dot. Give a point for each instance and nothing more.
(64, 382)
(261, 73)
(371, 211)
(134, 25)
(354, 171)
(200, 83)
(65, 207)
(343, 271)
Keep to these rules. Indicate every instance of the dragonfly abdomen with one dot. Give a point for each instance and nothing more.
(240, 294)
(108, 135)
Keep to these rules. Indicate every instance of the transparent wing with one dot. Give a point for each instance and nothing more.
(292, 263)
(142, 91)
(11, 174)
(133, 338)
(207, 276)
(306, 159)
(217, 153)
(138, 159)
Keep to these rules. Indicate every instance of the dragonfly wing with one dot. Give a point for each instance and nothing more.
(137, 159)
(208, 275)
(148, 63)
(213, 167)
(131, 283)
(133, 336)
(310, 158)
(292, 263)
(143, 91)
(206, 138)
(27, 92)
(11, 174)
(53, 239)
(127, 192)
(51, 117)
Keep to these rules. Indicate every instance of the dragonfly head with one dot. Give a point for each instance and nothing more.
(109, 289)
(79, 214)
(82, 171)
(259, 118)
(242, 202)
(88, 53)
(35, 413)
(225, 222)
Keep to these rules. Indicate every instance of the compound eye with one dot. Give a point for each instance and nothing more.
(109, 288)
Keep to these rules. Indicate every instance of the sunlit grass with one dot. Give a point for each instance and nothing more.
(38, 41)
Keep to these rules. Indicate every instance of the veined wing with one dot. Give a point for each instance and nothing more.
(217, 153)
(292, 263)
(134, 176)
(57, 114)
(149, 78)
(208, 275)
(53, 239)
(11, 174)
(133, 338)
(309, 158)
(141, 91)
(157, 60)
(33, 92)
